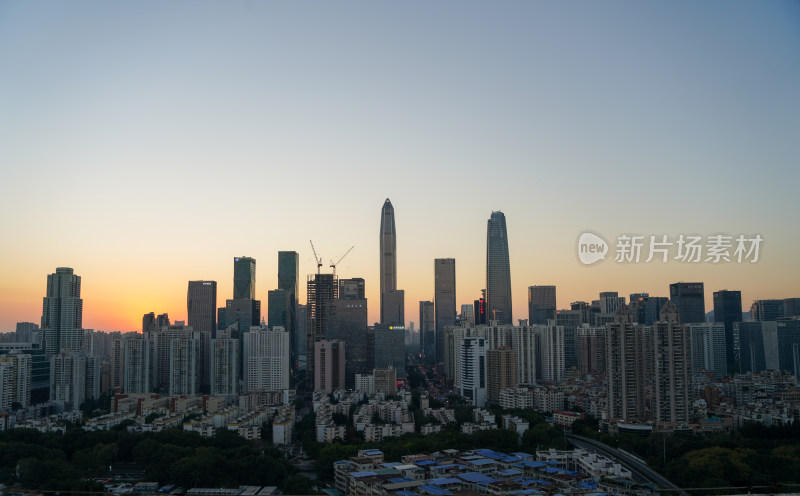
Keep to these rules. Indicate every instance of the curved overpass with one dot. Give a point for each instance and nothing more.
(643, 472)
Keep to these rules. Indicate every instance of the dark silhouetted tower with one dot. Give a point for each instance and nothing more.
(498, 270)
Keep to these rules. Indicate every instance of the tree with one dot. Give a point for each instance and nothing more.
(298, 484)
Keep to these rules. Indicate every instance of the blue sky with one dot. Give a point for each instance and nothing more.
(155, 141)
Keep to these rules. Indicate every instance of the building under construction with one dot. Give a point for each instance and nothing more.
(322, 288)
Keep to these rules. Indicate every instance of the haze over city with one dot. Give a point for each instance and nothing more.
(148, 147)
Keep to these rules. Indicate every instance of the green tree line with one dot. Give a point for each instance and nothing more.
(73, 460)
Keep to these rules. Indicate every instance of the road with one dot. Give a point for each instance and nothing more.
(642, 473)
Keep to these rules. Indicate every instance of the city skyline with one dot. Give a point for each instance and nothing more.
(145, 162)
(181, 314)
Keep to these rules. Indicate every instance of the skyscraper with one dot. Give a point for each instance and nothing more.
(727, 311)
(689, 297)
(278, 301)
(444, 299)
(266, 359)
(322, 289)
(498, 270)
(352, 289)
(387, 348)
(394, 308)
(541, 304)
(329, 374)
(427, 329)
(501, 365)
(708, 347)
(625, 375)
(766, 310)
(347, 321)
(62, 312)
(672, 353)
(472, 358)
(149, 324)
(289, 280)
(388, 256)
(244, 278)
(201, 306)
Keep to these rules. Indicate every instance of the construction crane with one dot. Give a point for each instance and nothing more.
(333, 265)
(316, 258)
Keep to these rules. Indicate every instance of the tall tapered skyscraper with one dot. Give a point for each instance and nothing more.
(62, 312)
(388, 257)
(498, 270)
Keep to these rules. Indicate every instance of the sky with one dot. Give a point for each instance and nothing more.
(146, 144)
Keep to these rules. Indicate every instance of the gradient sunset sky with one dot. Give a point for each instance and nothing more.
(146, 144)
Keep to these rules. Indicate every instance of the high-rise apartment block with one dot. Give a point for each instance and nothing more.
(266, 359)
(672, 353)
(473, 379)
(62, 313)
(550, 348)
(224, 367)
(625, 375)
(330, 367)
(501, 366)
(709, 347)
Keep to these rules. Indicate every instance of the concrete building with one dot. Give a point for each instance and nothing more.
(672, 352)
(550, 347)
(591, 344)
(385, 381)
(74, 377)
(184, 361)
(329, 374)
(137, 368)
(625, 378)
(16, 378)
(473, 380)
(224, 370)
(501, 366)
(265, 358)
(709, 348)
(162, 339)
